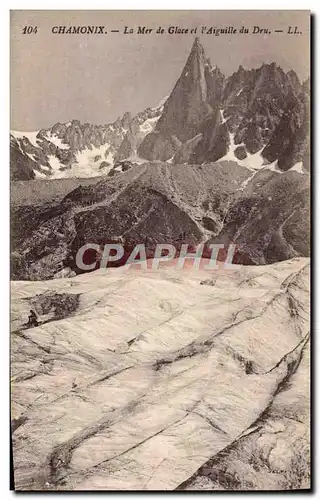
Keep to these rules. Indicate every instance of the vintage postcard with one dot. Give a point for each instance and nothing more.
(160, 250)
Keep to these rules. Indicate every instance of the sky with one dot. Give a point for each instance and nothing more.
(96, 78)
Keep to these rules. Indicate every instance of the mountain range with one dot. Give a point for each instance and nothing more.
(255, 117)
(74, 149)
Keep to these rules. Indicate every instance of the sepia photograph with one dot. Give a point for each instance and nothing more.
(160, 248)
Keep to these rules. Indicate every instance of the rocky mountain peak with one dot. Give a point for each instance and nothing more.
(294, 79)
(187, 104)
(195, 95)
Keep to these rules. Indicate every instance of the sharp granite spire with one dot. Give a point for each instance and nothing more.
(189, 104)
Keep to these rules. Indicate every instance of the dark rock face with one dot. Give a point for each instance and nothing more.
(156, 146)
(240, 153)
(104, 165)
(295, 82)
(157, 203)
(215, 140)
(21, 167)
(291, 136)
(129, 143)
(253, 102)
(185, 151)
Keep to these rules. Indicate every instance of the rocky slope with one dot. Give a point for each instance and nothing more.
(265, 213)
(257, 116)
(140, 380)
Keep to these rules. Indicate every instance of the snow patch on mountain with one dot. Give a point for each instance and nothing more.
(39, 175)
(253, 161)
(274, 167)
(31, 156)
(223, 119)
(148, 125)
(31, 136)
(55, 165)
(109, 157)
(298, 167)
(88, 161)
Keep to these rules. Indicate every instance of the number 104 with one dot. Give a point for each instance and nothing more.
(28, 30)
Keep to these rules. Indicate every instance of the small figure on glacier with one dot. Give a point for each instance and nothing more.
(32, 319)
